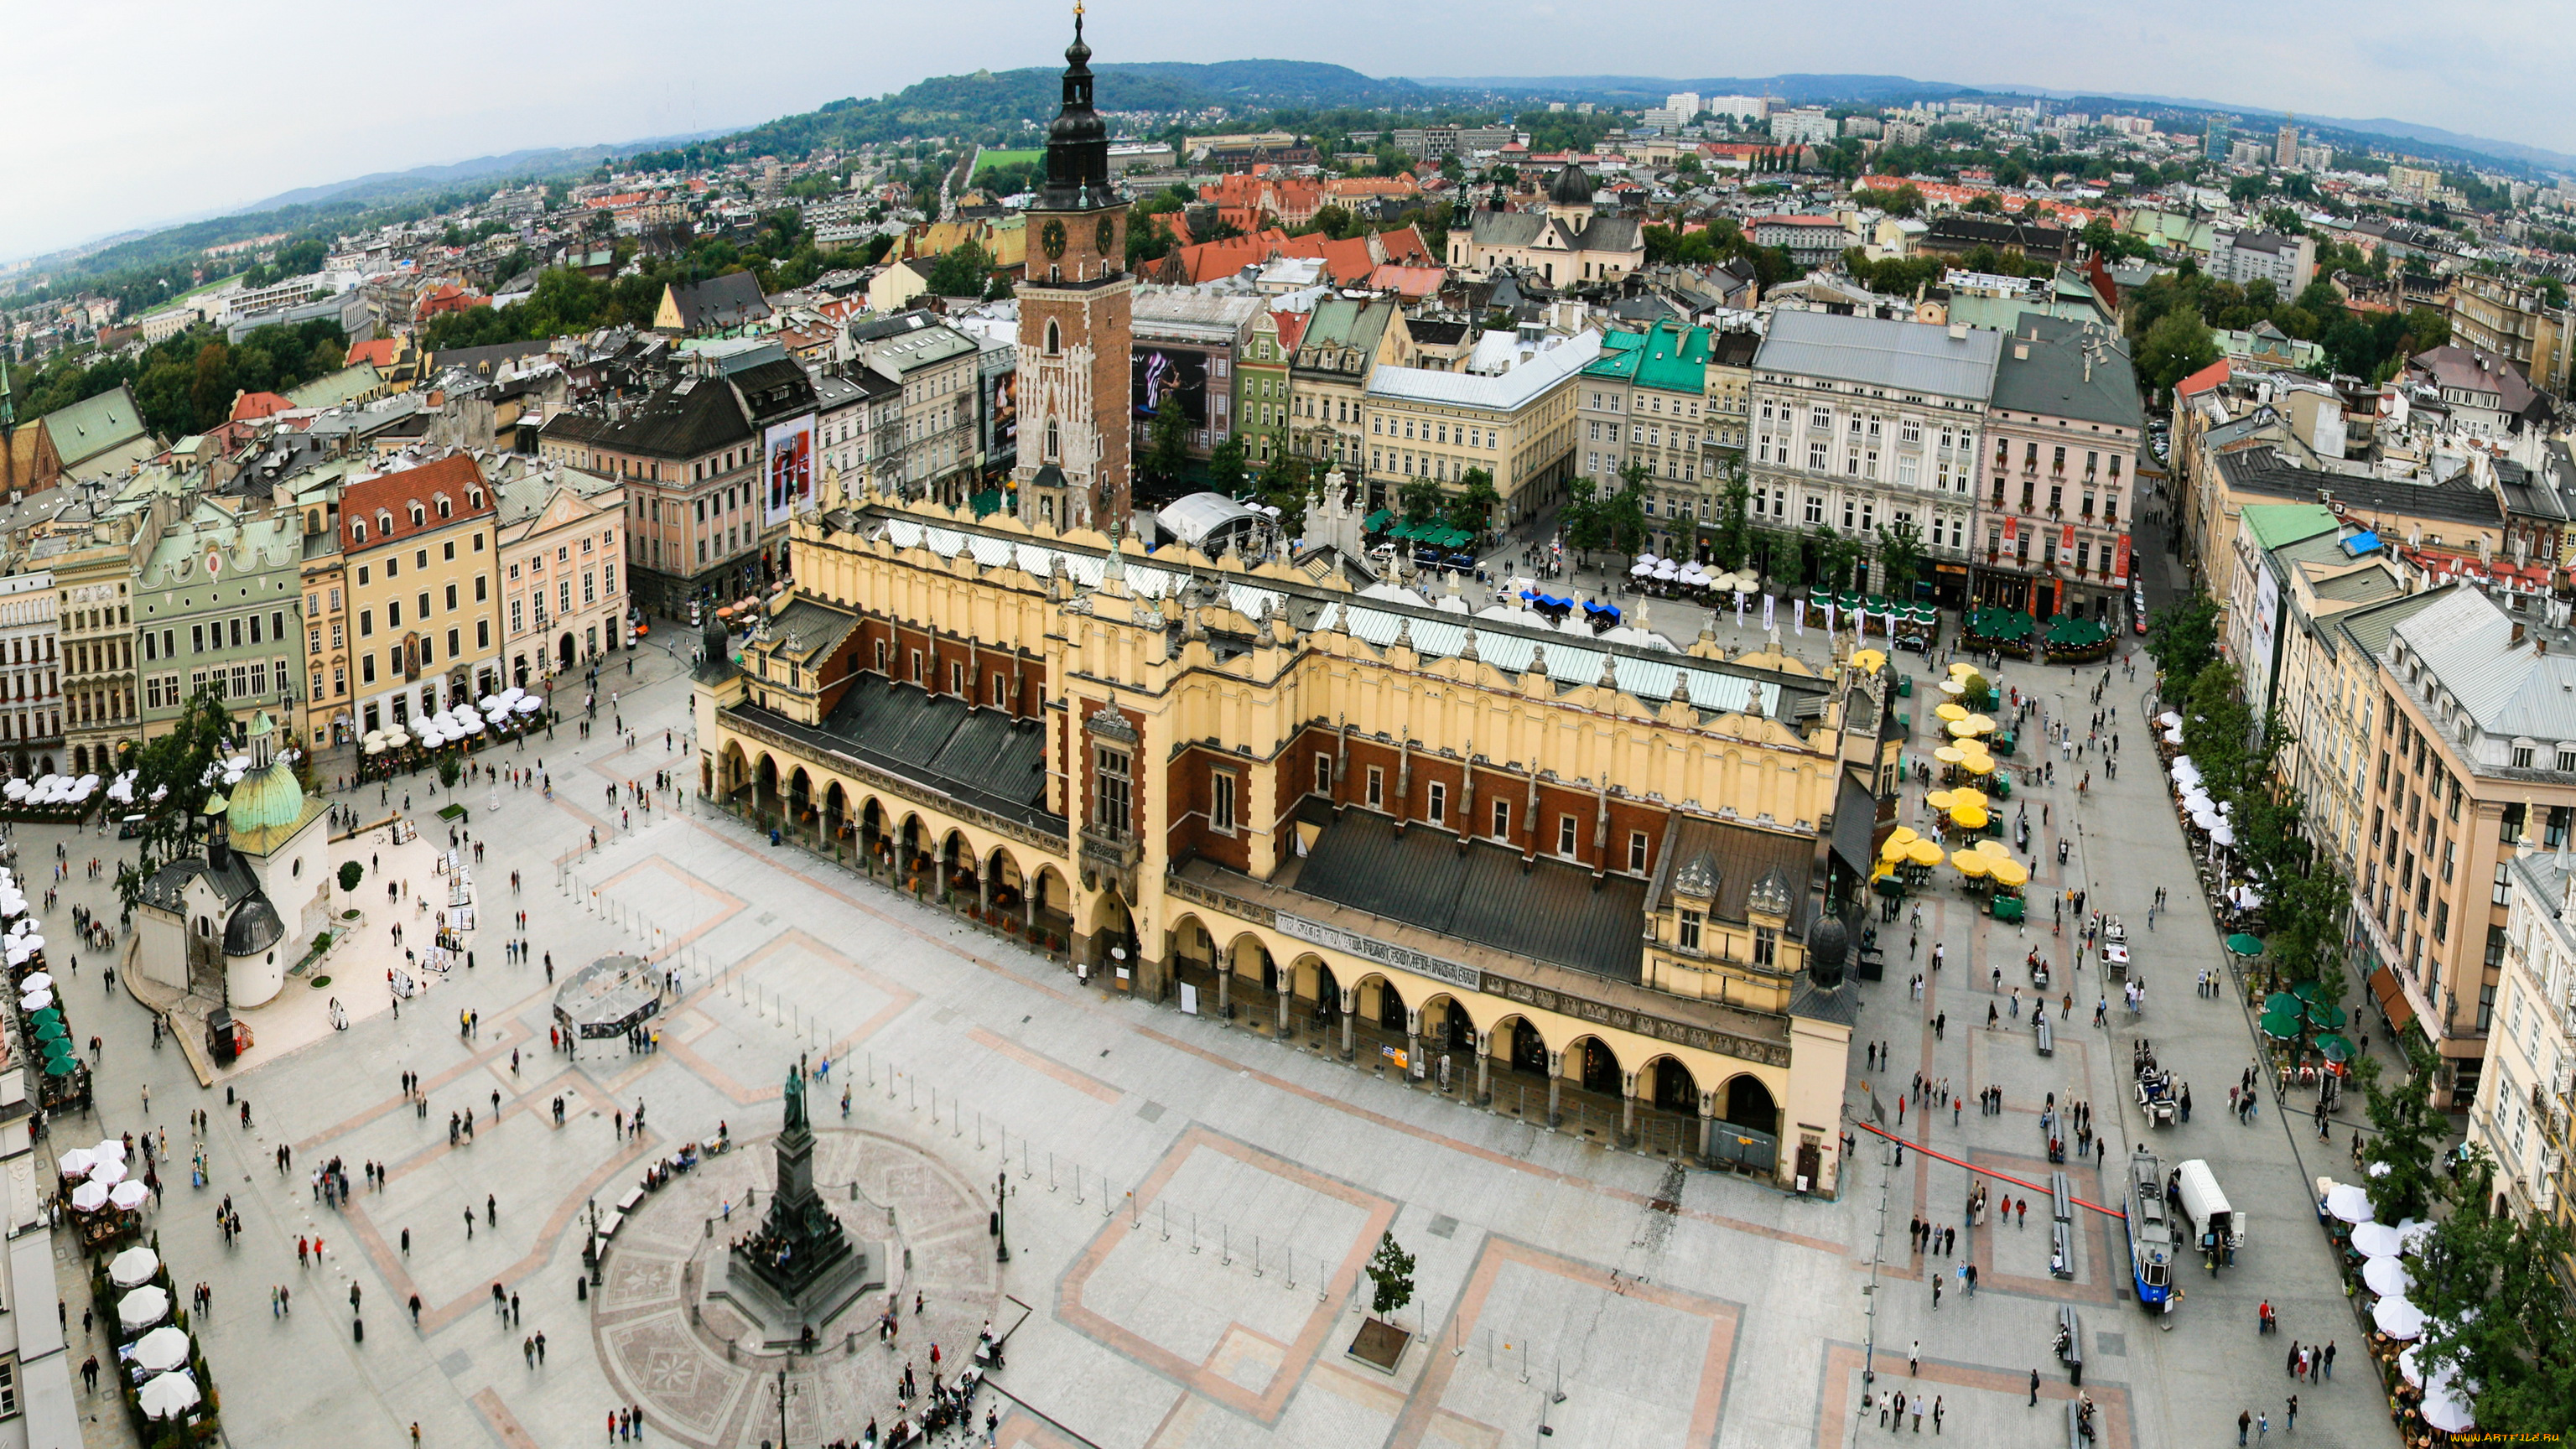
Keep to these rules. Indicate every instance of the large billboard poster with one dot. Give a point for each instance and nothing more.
(1161, 373)
(789, 448)
(1004, 440)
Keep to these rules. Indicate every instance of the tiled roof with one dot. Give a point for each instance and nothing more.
(390, 496)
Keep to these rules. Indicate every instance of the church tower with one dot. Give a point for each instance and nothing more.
(1076, 325)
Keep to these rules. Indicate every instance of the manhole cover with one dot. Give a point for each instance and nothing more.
(1151, 1112)
(1444, 1226)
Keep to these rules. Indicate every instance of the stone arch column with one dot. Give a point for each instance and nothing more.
(1412, 1042)
(1555, 1082)
(1484, 1068)
(1707, 1115)
(1628, 1106)
(1350, 1009)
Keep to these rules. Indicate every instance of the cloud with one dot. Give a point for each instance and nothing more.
(202, 108)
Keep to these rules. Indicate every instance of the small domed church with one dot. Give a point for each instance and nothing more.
(225, 924)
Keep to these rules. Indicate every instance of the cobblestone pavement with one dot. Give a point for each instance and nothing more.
(1190, 1205)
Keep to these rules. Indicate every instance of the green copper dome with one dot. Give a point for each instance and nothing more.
(269, 799)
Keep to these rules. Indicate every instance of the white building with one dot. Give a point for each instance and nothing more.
(1684, 103)
(2521, 1110)
(1741, 108)
(2289, 263)
(1806, 126)
(31, 692)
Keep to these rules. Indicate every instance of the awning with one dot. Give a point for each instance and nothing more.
(1855, 825)
(2392, 998)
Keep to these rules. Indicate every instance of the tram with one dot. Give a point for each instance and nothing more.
(2151, 1238)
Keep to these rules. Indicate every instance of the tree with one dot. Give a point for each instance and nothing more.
(1904, 200)
(174, 776)
(1334, 222)
(2245, 190)
(1420, 500)
(350, 874)
(1285, 484)
(2406, 1133)
(1226, 472)
(2183, 639)
(1390, 1269)
(1733, 543)
(2497, 1313)
(450, 770)
(1167, 446)
(2179, 345)
(961, 271)
(1472, 507)
(1900, 552)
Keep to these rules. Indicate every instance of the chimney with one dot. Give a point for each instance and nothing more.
(1958, 331)
(2021, 350)
(2517, 635)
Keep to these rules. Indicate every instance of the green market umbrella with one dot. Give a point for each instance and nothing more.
(60, 1067)
(50, 1013)
(2245, 945)
(51, 1031)
(2334, 1048)
(2308, 991)
(2281, 1001)
(1377, 522)
(2282, 1025)
(2327, 1015)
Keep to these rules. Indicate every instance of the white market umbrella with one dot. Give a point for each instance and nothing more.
(1648, 559)
(1668, 570)
(134, 1267)
(161, 1350)
(2173, 736)
(168, 1396)
(2348, 1202)
(2380, 1169)
(2386, 1277)
(34, 943)
(1640, 569)
(2412, 1371)
(142, 1308)
(109, 1149)
(2206, 819)
(2223, 835)
(37, 981)
(529, 705)
(89, 1197)
(2169, 718)
(2415, 1236)
(77, 1162)
(128, 1194)
(2398, 1318)
(106, 1173)
(2376, 1240)
(2443, 1408)
(36, 1000)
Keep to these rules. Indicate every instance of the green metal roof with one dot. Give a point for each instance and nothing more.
(1667, 357)
(2275, 524)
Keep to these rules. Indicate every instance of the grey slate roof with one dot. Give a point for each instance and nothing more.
(2465, 641)
(1915, 357)
(2052, 380)
(1551, 912)
(982, 757)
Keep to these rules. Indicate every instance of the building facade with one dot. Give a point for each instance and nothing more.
(94, 563)
(2521, 1113)
(2474, 764)
(1517, 426)
(2064, 436)
(562, 552)
(31, 675)
(2515, 321)
(1646, 403)
(421, 561)
(218, 606)
(1861, 423)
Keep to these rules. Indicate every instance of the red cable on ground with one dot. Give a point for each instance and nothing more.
(1989, 1172)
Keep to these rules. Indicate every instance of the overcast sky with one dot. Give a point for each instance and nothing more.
(181, 110)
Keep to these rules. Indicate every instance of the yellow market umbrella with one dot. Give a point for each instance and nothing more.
(1950, 711)
(2010, 873)
(1952, 686)
(1948, 755)
(1906, 833)
(1939, 799)
(1962, 669)
(1969, 817)
(1966, 796)
(1895, 849)
(1978, 764)
(1924, 852)
(1972, 864)
(1868, 661)
(1995, 848)
(1981, 724)
(1961, 728)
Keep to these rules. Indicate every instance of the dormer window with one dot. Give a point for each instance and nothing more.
(358, 530)
(417, 516)
(445, 509)
(474, 497)
(384, 523)
(1686, 935)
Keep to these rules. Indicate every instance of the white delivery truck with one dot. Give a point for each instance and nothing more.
(2218, 1228)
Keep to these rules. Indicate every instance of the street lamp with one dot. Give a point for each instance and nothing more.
(785, 1391)
(1001, 1217)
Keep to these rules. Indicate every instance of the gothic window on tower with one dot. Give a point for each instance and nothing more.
(1051, 438)
(1055, 342)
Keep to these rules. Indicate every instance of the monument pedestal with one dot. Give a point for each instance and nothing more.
(778, 1322)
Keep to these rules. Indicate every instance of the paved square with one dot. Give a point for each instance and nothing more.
(1669, 1305)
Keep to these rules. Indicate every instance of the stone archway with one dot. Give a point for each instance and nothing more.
(1748, 1103)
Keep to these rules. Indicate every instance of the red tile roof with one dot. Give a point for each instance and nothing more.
(251, 406)
(383, 502)
(380, 351)
(1292, 328)
(1348, 260)
(2203, 380)
(1404, 246)
(1208, 261)
(1411, 283)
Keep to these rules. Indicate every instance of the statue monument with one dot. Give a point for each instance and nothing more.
(799, 1269)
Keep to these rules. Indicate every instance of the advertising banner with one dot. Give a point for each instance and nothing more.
(788, 449)
(1161, 372)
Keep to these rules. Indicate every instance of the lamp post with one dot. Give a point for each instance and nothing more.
(785, 1391)
(1002, 1217)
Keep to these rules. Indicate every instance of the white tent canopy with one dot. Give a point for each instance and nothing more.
(168, 1396)
(161, 1350)
(2348, 1202)
(133, 1267)
(142, 1308)
(2398, 1318)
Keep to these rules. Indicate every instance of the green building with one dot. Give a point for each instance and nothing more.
(215, 606)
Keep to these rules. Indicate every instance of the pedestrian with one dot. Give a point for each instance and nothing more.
(2244, 1421)
(2262, 1427)
(1936, 1415)
(2034, 1389)
(1914, 1360)
(2290, 1420)
(2329, 1360)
